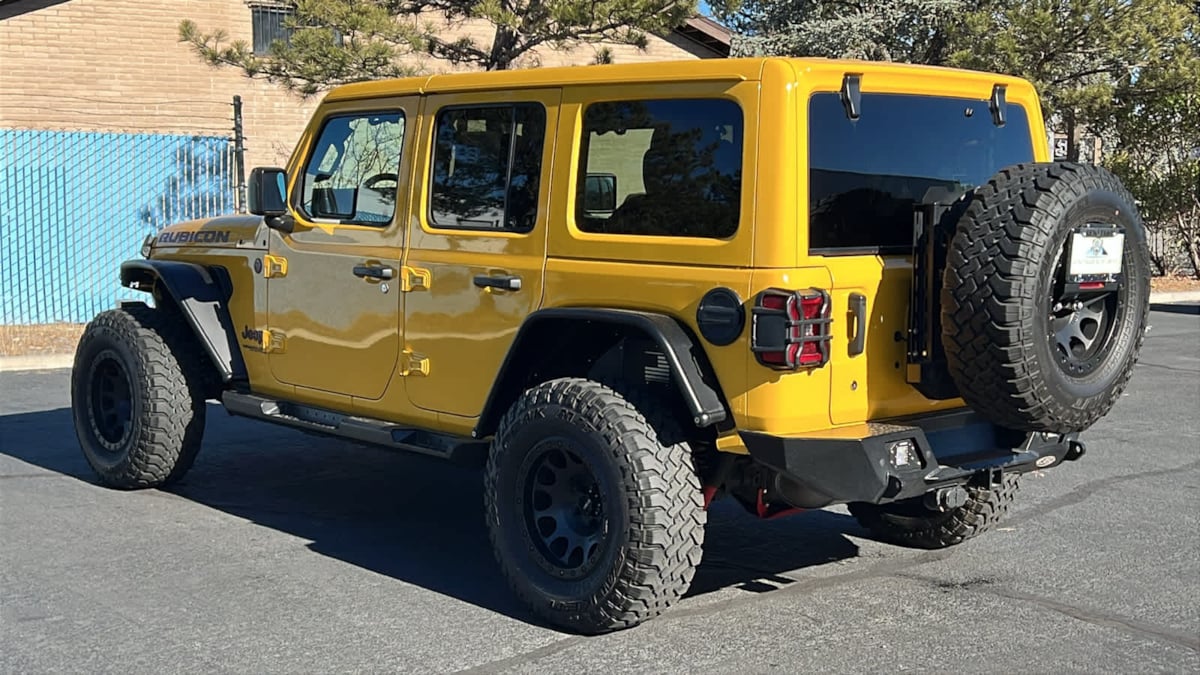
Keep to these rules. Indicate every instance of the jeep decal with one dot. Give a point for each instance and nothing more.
(254, 336)
(195, 237)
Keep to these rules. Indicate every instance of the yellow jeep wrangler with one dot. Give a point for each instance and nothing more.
(633, 289)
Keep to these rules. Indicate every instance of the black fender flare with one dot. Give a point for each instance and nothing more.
(691, 372)
(201, 298)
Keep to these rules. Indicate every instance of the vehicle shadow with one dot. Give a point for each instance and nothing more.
(415, 519)
(1176, 308)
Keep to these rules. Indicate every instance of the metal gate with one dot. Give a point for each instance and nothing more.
(75, 204)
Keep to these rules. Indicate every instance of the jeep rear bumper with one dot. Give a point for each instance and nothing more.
(871, 463)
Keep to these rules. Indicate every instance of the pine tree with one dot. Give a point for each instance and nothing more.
(1089, 59)
(333, 42)
(914, 31)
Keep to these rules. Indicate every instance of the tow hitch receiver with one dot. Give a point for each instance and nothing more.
(946, 499)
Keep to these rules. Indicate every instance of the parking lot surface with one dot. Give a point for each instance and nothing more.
(284, 552)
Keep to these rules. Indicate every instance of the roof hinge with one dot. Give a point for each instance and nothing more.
(998, 105)
(852, 95)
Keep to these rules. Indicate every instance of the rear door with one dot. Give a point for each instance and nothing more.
(866, 177)
(477, 244)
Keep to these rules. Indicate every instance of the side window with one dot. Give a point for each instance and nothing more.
(487, 167)
(351, 175)
(661, 167)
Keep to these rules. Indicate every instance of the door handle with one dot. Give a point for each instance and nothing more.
(505, 282)
(373, 271)
(858, 309)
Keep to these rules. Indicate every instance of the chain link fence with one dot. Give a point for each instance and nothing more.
(75, 204)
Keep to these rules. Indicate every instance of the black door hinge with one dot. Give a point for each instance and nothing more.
(852, 95)
(998, 105)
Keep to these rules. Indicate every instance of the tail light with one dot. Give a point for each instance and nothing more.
(789, 330)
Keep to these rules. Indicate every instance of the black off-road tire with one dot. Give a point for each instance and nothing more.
(1000, 278)
(653, 508)
(155, 352)
(911, 523)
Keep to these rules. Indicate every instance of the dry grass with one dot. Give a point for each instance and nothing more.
(1170, 284)
(52, 338)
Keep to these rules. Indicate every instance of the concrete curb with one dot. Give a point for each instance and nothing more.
(55, 361)
(1175, 296)
(36, 362)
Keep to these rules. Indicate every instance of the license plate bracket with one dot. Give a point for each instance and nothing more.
(1095, 254)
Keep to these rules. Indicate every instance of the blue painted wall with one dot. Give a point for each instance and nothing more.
(74, 205)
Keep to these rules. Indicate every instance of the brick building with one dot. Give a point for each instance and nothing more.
(117, 65)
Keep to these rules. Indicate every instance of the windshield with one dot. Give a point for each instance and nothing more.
(865, 175)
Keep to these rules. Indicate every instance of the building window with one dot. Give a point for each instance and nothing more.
(269, 22)
(670, 167)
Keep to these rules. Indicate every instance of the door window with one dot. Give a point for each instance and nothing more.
(487, 167)
(352, 175)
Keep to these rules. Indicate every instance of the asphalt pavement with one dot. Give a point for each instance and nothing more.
(284, 552)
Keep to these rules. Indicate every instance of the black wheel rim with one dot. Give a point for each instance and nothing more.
(110, 401)
(563, 505)
(1082, 325)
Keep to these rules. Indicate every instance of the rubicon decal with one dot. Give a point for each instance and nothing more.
(195, 237)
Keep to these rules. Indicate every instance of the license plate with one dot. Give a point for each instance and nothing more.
(1096, 252)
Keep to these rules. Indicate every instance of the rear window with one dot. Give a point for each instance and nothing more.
(669, 167)
(866, 175)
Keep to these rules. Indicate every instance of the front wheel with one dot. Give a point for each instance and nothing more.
(596, 523)
(912, 523)
(137, 397)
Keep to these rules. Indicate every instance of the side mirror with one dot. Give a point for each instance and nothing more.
(267, 196)
(267, 192)
(600, 193)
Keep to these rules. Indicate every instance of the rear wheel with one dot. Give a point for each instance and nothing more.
(137, 397)
(912, 523)
(596, 523)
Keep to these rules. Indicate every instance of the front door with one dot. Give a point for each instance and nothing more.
(332, 294)
(477, 246)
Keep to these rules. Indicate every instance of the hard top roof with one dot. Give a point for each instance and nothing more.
(740, 69)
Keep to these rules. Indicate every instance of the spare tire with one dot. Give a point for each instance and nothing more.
(1025, 347)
